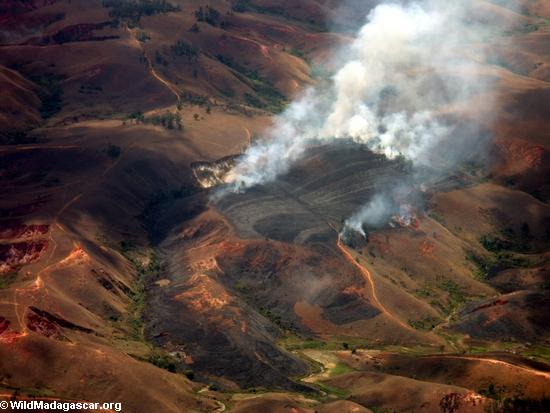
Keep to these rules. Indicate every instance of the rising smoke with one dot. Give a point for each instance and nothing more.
(405, 77)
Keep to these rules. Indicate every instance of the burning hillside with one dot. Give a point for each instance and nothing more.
(212, 174)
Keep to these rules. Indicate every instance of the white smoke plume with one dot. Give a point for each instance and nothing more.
(408, 69)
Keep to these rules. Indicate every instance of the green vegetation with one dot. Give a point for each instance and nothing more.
(132, 11)
(504, 249)
(276, 319)
(293, 342)
(163, 360)
(538, 352)
(508, 240)
(437, 217)
(482, 265)
(159, 59)
(208, 15)
(143, 36)
(7, 279)
(519, 404)
(340, 368)
(297, 52)
(240, 6)
(456, 294)
(266, 96)
(167, 120)
(425, 324)
(184, 49)
(89, 89)
(331, 390)
(147, 268)
(50, 95)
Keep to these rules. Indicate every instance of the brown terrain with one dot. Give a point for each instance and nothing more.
(122, 280)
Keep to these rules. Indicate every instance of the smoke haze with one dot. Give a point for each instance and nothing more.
(409, 71)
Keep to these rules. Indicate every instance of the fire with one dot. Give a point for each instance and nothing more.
(427, 248)
(406, 217)
(78, 255)
(38, 283)
(211, 174)
(530, 156)
(204, 294)
(208, 264)
(9, 337)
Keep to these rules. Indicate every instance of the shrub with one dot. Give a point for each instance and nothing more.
(50, 95)
(133, 10)
(182, 48)
(114, 151)
(143, 36)
(208, 15)
(163, 360)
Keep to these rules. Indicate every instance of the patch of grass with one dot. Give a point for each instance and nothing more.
(266, 96)
(507, 241)
(482, 265)
(340, 368)
(455, 292)
(504, 249)
(137, 295)
(539, 352)
(7, 279)
(163, 360)
(425, 324)
(242, 286)
(293, 342)
(332, 390)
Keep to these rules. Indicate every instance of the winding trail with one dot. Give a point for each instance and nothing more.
(495, 362)
(173, 89)
(370, 281)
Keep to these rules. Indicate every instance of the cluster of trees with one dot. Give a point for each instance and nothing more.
(240, 6)
(50, 95)
(159, 59)
(142, 36)
(182, 48)
(167, 120)
(266, 96)
(209, 15)
(133, 10)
